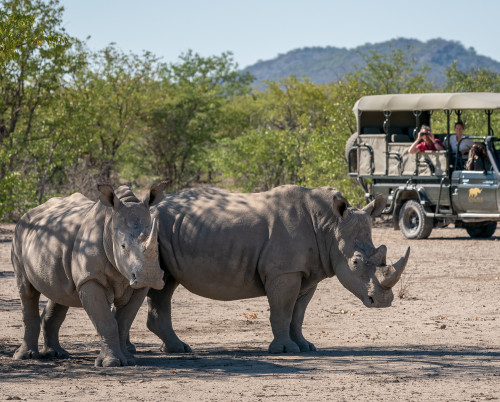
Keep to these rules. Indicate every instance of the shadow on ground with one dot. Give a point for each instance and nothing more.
(407, 362)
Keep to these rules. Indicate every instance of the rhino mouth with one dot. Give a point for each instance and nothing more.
(378, 302)
(368, 301)
(155, 283)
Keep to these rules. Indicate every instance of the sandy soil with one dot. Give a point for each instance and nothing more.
(439, 341)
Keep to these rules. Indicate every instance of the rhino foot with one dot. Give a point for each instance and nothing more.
(130, 359)
(111, 361)
(178, 347)
(54, 352)
(131, 347)
(284, 347)
(306, 346)
(23, 353)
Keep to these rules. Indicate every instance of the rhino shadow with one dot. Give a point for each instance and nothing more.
(406, 362)
(151, 363)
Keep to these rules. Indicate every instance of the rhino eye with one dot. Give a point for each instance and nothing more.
(123, 245)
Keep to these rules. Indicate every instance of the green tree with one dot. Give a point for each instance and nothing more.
(34, 59)
(390, 73)
(183, 121)
(292, 140)
(109, 98)
(473, 80)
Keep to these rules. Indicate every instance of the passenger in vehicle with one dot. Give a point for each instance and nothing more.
(425, 141)
(477, 158)
(466, 143)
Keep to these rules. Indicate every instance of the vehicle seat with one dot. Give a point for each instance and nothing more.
(371, 130)
(400, 138)
(412, 133)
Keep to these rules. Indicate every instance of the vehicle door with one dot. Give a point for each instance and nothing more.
(475, 191)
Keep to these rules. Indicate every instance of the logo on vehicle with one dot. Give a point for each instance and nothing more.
(474, 195)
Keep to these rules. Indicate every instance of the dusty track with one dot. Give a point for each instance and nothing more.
(440, 341)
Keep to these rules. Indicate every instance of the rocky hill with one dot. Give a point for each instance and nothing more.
(325, 64)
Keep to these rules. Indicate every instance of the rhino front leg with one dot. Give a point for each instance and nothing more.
(31, 318)
(125, 316)
(95, 303)
(298, 320)
(52, 318)
(160, 317)
(282, 293)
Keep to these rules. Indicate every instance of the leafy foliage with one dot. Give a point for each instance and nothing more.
(33, 61)
(297, 139)
(182, 121)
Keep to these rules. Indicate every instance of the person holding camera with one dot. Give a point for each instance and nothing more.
(425, 141)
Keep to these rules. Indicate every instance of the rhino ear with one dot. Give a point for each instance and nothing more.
(155, 195)
(376, 207)
(108, 196)
(340, 206)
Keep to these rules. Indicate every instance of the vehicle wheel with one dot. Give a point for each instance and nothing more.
(412, 221)
(480, 230)
(349, 144)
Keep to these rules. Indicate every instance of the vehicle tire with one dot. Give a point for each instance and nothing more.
(349, 144)
(480, 230)
(412, 221)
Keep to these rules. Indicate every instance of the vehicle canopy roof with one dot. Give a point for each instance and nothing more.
(428, 101)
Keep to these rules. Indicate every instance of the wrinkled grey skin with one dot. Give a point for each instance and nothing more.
(278, 244)
(80, 253)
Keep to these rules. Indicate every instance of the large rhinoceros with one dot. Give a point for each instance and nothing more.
(78, 253)
(278, 244)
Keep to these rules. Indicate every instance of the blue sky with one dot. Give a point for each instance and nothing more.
(260, 30)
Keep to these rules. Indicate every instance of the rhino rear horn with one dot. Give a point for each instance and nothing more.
(392, 273)
(376, 207)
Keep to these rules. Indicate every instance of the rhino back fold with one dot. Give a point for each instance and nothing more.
(243, 240)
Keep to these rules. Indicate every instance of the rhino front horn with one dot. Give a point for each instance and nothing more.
(392, 274)
(151, 247)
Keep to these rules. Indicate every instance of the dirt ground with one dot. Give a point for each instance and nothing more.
(439, 341)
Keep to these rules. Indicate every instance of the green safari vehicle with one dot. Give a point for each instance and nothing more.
(430, 188)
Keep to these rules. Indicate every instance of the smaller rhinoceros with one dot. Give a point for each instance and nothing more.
(102, 256)
(279, 244)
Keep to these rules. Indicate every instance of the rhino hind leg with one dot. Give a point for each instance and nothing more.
(52, 318)
(31, 318)
(298, 319)
(282, 293)
(160, 318)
